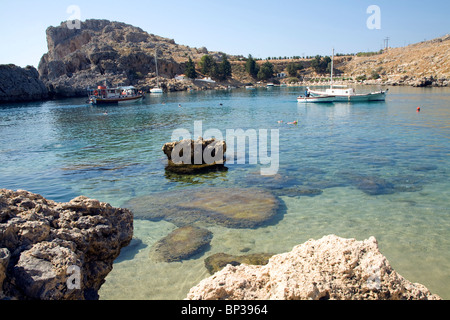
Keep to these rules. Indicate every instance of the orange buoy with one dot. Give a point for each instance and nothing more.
(418, 109)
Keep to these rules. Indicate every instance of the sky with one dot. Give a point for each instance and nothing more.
(239, 27)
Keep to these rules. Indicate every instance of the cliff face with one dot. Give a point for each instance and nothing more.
(103, 50)
(20, 84)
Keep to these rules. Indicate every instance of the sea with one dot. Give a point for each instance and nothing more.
(377, 169)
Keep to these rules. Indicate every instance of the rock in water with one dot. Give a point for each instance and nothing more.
(193, 157)
(330, 268)
(229, 207)
(218, 261)
(52, 244)
(181, 244)
(21, 84)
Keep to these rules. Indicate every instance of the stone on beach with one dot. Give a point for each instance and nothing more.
(229, 207)
(331, 268)
(45, 240)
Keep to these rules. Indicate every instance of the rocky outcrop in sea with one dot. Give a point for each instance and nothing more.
(58, 251)
(21, 84)
(331, 268)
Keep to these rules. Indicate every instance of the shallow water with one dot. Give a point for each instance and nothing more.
(382, 169)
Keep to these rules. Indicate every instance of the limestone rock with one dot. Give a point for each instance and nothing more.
(21, 84)
(47, 239)
(181, 244)
(330, 268)
(193, 157)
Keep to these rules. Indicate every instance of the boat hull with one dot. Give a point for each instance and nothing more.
(373, 96)
(320, 99)
(104, 101)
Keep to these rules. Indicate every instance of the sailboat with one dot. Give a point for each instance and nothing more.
(340, 95)
(157, 90)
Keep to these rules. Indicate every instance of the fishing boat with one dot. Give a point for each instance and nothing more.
(156, 90)
(345, 94)
(105, 95)
(316, 99)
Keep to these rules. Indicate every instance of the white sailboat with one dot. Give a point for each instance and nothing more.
(341, 95)
(156, 90)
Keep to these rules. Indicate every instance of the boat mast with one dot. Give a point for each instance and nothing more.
(332, 67)
(156, 63)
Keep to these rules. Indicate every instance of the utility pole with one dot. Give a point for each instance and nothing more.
(386, 43)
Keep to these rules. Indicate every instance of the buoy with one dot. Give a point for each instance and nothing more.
(418, 109)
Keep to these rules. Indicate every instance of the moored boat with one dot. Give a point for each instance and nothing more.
(105, 95)
(318, 99)
(345, 94)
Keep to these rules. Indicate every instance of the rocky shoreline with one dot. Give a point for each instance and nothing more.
(331, 268)
(64, 251)
(58, 251)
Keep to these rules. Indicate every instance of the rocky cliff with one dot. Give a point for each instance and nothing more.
(20, 84)
(331, 268)
(103, 50)
(58, 251)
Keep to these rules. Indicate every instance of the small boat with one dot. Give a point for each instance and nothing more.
(105, 95)
(156, 90)
(250, 87)
(270, 85)
(349, 95)
(345, 94)
(316, 99)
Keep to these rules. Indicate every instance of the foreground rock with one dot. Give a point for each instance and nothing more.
(45, 246)
(329, 268)
(20, 84)
(229, 207)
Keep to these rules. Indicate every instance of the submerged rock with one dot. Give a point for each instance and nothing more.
(331, 268)
(219, 261)
(229, 207)
(48, 242)
(181, 244)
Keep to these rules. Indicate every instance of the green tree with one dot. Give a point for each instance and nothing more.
(266, 71)
(190, 69)
(292, 68)
(206, 64)
(224, 69)
(321, 65)
(251, 67)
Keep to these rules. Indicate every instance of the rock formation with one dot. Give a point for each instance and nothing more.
(228, 207)
(20, 84)
(181, 244)
(192, 157)
(331, 268)
(106, 50)
(58, 251)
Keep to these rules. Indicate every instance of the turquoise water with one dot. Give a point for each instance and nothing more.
(381, 167)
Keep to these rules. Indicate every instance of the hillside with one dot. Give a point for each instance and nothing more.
(117, 52)
(420, 64)
(125, 55)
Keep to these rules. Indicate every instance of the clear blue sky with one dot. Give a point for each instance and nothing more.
(262, 28)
